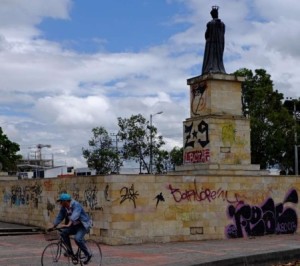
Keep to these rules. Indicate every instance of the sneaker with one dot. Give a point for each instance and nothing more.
(87, 259)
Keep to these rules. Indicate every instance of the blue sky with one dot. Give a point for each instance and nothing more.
(67, 66)
(115, 25)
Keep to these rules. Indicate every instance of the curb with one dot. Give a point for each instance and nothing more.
(265, 259)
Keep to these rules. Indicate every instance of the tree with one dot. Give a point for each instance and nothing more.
(293, 107)
(102, 155)
(135, 132)
(272, 126)
(161, 161)
(8, 153)
(176, 156)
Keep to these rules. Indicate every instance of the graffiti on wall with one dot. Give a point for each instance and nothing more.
(159, 198)
(198, 98)
(74, 189)
(90, 197)
(196, 134)
(25, 195)
(106, 192)
(128, 194)
(228, 134)
(201, 156)
(196, 138)
(50, 207)
(201, 194)
(268, 219)
(48, 185)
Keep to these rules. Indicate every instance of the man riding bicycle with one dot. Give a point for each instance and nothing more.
(77, 223)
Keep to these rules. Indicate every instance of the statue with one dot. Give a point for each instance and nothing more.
(214, 47)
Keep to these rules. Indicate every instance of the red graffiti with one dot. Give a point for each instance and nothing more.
(202, 195)
(201, 156)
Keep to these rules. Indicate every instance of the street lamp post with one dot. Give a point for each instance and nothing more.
(117, 151)
(151, 144)
(294, 107)
(295, 136)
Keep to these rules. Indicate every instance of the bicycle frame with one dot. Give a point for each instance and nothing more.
(53, 253)
(63, 247)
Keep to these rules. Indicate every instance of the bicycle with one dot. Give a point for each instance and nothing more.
(56, 252)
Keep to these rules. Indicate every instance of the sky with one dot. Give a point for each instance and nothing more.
(67, 66)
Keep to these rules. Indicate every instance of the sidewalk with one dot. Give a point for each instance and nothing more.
(268, 250)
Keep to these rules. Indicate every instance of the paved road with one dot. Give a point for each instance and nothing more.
(26, 250)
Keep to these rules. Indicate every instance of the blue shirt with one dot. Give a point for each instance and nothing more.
(76, 214)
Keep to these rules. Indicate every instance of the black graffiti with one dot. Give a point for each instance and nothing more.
(106, 193)
(202, 129)
(90, 197)
(129, 194)
(159, 198)
(50, 207)
(267, 219)
(188, 129)
(198, 93)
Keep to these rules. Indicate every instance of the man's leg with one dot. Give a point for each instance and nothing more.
(65, 234)
(79, 239)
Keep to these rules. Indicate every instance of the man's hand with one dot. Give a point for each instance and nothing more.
(67, 225)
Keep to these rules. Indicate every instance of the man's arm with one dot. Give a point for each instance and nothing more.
(67, 225)
(77, 208)
(59, 218)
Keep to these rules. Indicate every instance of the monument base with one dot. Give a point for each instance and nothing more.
(220, 169)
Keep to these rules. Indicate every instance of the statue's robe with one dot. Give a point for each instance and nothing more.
(214, 47)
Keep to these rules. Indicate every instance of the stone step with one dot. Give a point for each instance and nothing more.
(18, 229)
(18, 233)
(30, 229)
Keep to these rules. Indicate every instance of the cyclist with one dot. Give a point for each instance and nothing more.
(77, 223)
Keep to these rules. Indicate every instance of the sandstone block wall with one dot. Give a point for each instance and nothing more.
(156, 208)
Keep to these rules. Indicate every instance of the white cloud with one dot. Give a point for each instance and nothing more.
(70, 111)
(18, 18)
(55, 96)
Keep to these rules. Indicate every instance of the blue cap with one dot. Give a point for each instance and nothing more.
(64, 197)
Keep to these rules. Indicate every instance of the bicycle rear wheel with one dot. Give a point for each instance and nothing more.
(53, 254)
(96, 252)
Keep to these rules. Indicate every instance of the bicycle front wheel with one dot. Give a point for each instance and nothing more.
(96, 252)
(54, 254)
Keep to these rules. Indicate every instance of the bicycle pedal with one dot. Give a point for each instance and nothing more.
(75, 261)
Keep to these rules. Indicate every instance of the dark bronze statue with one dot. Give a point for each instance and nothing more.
(214, 47)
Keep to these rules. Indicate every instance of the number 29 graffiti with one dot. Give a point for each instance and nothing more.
(194, 135)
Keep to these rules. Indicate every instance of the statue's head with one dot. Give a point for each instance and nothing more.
(214, 12)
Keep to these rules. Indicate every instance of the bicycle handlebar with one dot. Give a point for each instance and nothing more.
(54, 229)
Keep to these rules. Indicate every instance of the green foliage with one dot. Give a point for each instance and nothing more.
(161, 161)
(8, 153)
(176, 156)
(272, 127)
(135, 132)
(102, 155)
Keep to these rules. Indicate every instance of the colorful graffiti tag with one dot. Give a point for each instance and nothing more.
(268, 219)
(26, 195)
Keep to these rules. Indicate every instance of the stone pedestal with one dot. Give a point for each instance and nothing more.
(217, 135)
(215, 94)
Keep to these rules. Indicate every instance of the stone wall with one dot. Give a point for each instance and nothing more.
(130, 209)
